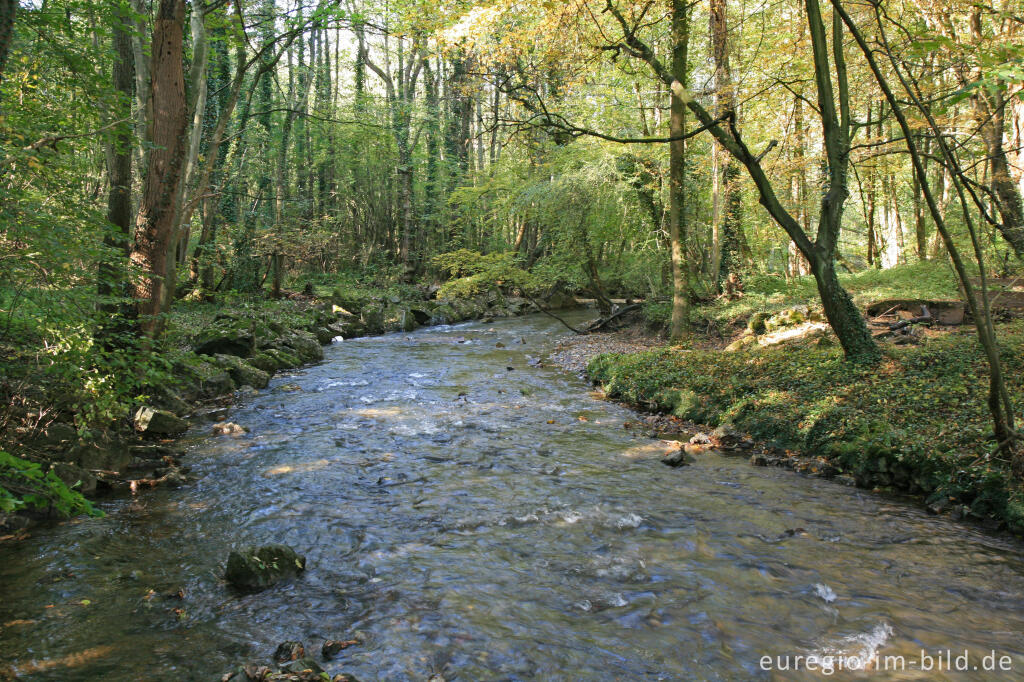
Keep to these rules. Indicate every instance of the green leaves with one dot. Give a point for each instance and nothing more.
(24, 485)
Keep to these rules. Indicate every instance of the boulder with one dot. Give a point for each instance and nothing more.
(75, 477)
(201, 378)
(372, 318)
(741, 343)
(228, 337)
(302, 666)
(756, 322)
(285, 357)
(324, 335)
(786, 318)
(289, 651)
(407, 321)
(421, 314)
(726, 436)
(229, 429)
(257, 568)
(304, 345)
(153, 422)
(55, 435)
(679, 458)
(242, 373)
(265, 361)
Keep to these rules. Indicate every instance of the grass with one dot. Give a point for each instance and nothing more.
(770, 293)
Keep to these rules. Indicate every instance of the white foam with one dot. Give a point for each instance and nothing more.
(860, 647)
(825, 592)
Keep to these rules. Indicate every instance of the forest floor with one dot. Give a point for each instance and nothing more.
(915, 423)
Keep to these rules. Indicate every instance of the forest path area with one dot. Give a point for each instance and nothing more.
(473, 512)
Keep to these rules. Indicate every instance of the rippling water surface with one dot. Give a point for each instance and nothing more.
(473, 513)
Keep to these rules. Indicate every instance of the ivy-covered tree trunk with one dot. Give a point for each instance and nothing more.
(152, 251)
(677, 172)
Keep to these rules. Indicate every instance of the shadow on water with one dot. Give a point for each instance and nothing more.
(461, 506)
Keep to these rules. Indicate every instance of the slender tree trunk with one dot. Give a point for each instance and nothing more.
(732, 213)
(154, 224)
(119, 199)
(677, 172)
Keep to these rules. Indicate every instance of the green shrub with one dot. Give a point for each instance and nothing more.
(24, 485)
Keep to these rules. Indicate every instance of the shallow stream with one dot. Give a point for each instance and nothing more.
(477, 515)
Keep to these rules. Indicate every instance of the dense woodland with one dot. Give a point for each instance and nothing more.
(158, 154)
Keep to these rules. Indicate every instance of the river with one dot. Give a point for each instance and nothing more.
(474, 514)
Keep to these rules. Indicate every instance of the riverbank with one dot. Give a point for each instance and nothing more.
(57, 450)
(917, 423)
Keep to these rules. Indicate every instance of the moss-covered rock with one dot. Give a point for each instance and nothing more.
(201, 378)
(265, 361)
(372, 318)
(242, 373)
(228, 336)
(257, 568)
(285, 357)
(756, 322)
(303, 344)
(323, 334)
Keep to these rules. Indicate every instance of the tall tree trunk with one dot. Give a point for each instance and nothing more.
(677, 172)
(119, 199)
(732, 213)
(152, 251)
(1007, 193)
(197, 83)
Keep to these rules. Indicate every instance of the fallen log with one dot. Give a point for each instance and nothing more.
(603, 322)
(924, 318)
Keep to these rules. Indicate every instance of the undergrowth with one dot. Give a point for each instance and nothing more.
(917, 422)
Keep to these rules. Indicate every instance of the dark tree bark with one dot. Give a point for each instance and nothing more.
(119, 199)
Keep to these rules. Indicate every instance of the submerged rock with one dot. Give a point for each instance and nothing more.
(289, 651)
(257, 568)
(159, 422)
(679, 458)
(229, 429)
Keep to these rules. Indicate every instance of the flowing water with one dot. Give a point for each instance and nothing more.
(474, 514)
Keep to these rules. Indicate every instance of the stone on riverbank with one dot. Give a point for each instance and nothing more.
(154, 422)
(228, 337)
(257, 568)
(241, 372)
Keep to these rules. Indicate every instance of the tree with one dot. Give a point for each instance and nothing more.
(842, 315)
(152, 251)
